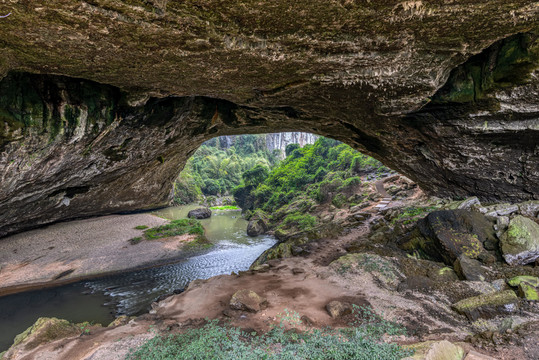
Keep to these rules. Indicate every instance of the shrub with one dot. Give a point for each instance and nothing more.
(300, 221)
(175, 227)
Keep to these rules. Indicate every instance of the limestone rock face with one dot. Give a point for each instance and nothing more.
(520, 243)
(138, 87)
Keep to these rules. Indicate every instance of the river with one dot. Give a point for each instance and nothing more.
(101, 300)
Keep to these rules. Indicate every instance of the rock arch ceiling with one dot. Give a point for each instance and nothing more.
(101, 102)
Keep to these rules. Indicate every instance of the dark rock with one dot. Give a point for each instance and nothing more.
(296, 271)
(447, 234)
(442, 275)
(256, 227)
(200, 213)
(247, 300)
(470, 269)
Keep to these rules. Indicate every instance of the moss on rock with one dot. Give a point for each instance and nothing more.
(487, 305)
(45, 330)
(520, 243)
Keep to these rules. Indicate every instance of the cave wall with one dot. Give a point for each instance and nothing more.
(102, 102)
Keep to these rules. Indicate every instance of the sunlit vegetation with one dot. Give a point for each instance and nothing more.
(215, 169)
(325, 172)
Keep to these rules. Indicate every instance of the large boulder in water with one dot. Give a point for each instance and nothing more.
(447, 234)
(256, 227)
(200, 213)
(520, 243)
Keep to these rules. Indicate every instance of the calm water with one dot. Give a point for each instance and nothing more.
(131, 293)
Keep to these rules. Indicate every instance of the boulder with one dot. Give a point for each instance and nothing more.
(474, 355)
(467, 204)
(447, 234)
(487, 305)
(200, 213)
(520, 243)
(256, 227)
(469, 269)
(337, 309)
(247, 300)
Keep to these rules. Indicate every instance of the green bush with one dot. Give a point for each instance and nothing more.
(300, 221)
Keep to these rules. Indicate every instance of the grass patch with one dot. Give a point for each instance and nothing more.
(174, 228)
(225, 207)
(213, 341)
(135, 240)
(141, 227)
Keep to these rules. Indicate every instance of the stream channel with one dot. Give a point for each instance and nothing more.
(101, 300)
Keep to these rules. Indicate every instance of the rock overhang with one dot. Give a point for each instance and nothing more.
(165, 76)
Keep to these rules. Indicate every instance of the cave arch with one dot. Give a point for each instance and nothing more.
(72, 148)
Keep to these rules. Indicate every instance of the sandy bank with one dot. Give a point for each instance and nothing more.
(71, 251)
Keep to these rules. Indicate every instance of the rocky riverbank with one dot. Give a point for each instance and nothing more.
(71, 251)
(472, 305)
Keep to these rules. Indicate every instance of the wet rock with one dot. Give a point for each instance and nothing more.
(520, 243)
(200, 213)
(247, 300)
(470, 269)
(447, 234)
(256, 226)
(487, 305)
(338, 309)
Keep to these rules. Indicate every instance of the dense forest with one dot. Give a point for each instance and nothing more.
(326, 172)
(216, 168)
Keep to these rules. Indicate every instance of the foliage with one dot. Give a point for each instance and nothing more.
(225, 207)
(326, 171)
(141, 227)
(300, 221)
(411, 213)
(216, 168)
(175, 227)
(213, 341)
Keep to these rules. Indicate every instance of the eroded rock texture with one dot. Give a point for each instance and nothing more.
(444, 92)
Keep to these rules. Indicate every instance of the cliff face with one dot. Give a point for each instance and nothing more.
(444, 92)
(281, 140)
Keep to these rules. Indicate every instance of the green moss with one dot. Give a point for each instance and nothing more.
(504, 64)
(141, 227)
(45, 330)
(493, 299)
(515, 281)
(528, 292)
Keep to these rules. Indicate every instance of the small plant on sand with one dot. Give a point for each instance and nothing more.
(135, 240)
(141, 227)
